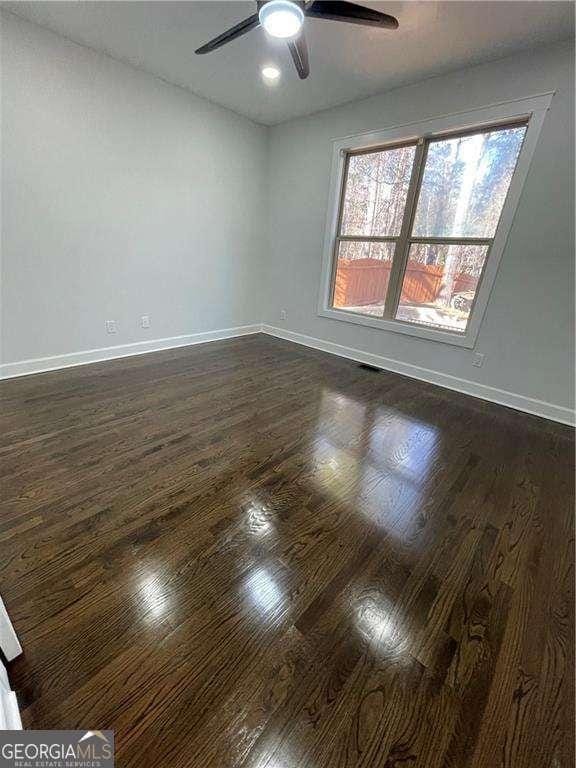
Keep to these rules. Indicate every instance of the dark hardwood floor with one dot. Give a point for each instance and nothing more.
(252, 554)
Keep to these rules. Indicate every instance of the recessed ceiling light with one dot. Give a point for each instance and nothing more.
(281, 18)
(270, 74)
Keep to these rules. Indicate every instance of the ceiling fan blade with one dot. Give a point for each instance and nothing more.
(231, 34)
(299, 51)
(339, 10)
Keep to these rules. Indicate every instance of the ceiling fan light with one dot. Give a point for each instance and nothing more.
(281, 18)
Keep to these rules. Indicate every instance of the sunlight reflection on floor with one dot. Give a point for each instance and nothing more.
(377, 461)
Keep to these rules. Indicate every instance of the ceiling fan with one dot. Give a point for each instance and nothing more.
(285, 19)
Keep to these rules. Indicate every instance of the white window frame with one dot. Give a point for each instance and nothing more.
(532, 110)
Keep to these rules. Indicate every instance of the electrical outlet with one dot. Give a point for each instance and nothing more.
(111, 326)
(145, 321)
(478, 359)
(283, 314)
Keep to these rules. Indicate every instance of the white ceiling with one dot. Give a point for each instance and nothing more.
(347, 62)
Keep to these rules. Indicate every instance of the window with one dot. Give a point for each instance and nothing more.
(447, 199)
(417, 221)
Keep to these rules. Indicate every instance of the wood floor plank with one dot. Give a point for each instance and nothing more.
(249, 554)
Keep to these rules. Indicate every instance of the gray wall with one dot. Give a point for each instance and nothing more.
(121, 195)
(527, 333)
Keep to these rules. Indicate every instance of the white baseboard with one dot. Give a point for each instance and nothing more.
(43, 364)
(482, 391)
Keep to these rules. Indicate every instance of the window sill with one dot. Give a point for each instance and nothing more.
(465, 340)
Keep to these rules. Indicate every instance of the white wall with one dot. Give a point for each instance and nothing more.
(121, 195)
(527, 333)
